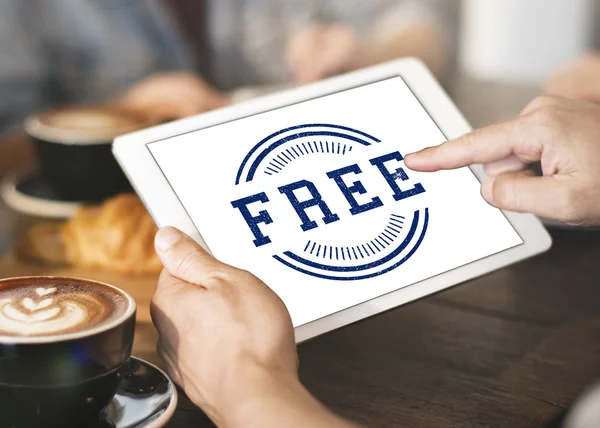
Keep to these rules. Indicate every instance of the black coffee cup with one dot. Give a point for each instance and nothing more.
(63, 379)
(73, 146)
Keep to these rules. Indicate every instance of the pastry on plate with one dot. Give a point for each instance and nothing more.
(117, 236)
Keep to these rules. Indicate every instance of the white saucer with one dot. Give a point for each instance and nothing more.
(147, 398)
(31, 195)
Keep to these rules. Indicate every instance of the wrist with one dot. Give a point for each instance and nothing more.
(249, 389)
(267, 398)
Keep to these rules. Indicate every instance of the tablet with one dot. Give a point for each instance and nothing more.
(307, 189)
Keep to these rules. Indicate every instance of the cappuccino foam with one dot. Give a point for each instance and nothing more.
(48, 308)
(88, 120)
(82, 125)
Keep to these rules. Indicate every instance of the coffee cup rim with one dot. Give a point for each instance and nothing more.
(36, 128)
(55, 338)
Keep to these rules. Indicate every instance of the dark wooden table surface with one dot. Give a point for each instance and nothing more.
(511, 349)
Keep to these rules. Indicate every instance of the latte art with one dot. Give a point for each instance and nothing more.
(47, 316)
(82, 125)
(45, 311)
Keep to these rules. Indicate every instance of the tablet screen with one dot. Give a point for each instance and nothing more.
(315, 200)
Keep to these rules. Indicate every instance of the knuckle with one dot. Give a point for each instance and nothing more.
(545, 115)
(472, 137)
(541, 102)
(550, 123)
(535, 104)
(219, 277)
(186, 264)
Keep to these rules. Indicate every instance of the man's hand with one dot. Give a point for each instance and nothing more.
(323, 50)
(171, 96)
(562, 134)
(228, 340)
(581, 80)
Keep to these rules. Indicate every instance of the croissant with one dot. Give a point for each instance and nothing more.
(116, 236)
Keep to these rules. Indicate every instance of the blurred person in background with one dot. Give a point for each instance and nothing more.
(169, 59)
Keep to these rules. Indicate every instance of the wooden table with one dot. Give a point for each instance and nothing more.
(511, 349)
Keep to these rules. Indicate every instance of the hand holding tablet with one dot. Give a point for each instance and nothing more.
(308, 190)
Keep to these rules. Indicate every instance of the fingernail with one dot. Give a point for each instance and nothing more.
(165, 238)
(408, 157)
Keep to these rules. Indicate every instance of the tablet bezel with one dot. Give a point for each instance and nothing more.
(146, 177)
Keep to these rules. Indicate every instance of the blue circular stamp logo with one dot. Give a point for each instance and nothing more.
(342, 230)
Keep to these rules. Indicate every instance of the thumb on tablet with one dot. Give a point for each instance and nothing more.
(184, 258)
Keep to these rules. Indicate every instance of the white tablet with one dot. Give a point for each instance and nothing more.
(307, 189)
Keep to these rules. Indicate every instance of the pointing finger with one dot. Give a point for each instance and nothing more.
(482, 146)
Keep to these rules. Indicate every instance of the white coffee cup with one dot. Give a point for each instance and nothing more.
(523, 41)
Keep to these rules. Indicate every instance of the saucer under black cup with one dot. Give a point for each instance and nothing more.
(32, 200)
(146, 398)
(38, 186)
